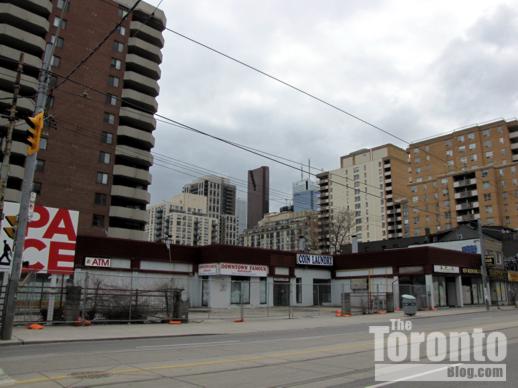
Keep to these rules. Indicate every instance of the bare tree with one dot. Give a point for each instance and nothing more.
(340, 227)
(313, 233)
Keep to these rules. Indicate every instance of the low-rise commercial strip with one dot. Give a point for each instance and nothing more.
(219, 276)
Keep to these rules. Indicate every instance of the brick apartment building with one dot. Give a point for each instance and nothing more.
(97, 161)
(371, 184)
(463, 176)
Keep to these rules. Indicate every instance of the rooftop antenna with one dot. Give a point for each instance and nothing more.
(301, 171)
(309, 169)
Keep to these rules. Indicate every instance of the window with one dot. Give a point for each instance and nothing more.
(116, 63)
(487, 196)
(43, 143)
(100, 199)
(109, 118)
(123, 12)
(240, 290)
(473, 146)
(471, 136)
(102, 178)
(111, 99)
(59, 23)
(60, 42)
(484, 173)
(118, 47)
(55, 61)
(489, 210)
(449, 153)
(489, 155)
(460, 138)
(113, 81)
(486, 185)
(107, 138)
(61, 4)
(36, 187)
(485, 132)
(415, 198)
(98, 220)
(488, 144)
(104, 157)
(121, 30)
(447, 143)
(40, 165)
(473, 157)
(462, 148)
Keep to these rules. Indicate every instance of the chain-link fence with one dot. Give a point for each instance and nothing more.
(102, 296)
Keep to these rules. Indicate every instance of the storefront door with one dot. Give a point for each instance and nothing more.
(281, 293)
(321, 291)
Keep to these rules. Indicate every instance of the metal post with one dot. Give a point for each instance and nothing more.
(4, 172)
(241, 300)
(25, 198)
(51, 298)
(485, 282)
(130, 297)
(84, 298)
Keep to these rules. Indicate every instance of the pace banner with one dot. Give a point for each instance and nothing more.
(50, 239)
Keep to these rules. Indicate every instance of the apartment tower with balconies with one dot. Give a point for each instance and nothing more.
(465, 176)
(98, 157)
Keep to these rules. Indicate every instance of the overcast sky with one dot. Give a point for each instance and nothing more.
(414, 68)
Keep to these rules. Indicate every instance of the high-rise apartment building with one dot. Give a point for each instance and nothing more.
(258, 195)
(221, 202)
(97, 161)
(464, 176)
(284, 230)
(24, 26)
(370, 187)
(183, 220)
(241, 214)
(305, 195)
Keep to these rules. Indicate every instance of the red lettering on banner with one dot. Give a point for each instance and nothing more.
(56, 258)
(43, 218)
(62, 216)
(34, 243)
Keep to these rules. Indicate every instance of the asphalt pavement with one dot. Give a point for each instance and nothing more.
(324, 355)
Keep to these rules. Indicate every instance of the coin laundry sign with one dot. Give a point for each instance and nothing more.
(303, 259)
(50, 240)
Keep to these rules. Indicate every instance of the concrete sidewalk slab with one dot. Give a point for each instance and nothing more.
(51, 334)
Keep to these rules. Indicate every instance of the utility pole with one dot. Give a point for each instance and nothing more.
(485, 283)
(4, 173)
(23, 215)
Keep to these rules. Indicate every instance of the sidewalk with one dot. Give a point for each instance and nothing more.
(49, 334)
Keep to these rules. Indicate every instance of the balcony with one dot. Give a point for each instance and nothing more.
(128, 213)
(466, 194)
(467, 205)
(132, 172)
(135, 63)
(137, 119)
(465, 182)
(130, 192)
(468, 217)
(22, 40)
(14, 55)
(144, 137)
(144, 157)
(142, 83)
(147, 33)
(144, 49)
(26, 20)
(140, 100)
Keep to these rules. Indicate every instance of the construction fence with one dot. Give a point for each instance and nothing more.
(116, 297)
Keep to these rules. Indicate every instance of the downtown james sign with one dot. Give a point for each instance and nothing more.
(50, 239)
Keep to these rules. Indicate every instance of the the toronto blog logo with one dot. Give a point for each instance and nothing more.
(401, 354)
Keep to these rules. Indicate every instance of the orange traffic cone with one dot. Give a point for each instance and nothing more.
(175, 322)
(35, 326)
(338, 313)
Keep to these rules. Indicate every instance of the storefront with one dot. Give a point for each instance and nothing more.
(226, 284)
(472, 288)
(446, 286)
(498, 286)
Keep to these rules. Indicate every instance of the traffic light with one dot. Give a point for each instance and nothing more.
(33, 134)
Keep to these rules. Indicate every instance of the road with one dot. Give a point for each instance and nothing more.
(318, 357)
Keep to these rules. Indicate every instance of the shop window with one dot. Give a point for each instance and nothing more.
(263, 291)
(240, 290)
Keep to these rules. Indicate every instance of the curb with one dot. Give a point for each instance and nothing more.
(19, 342)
